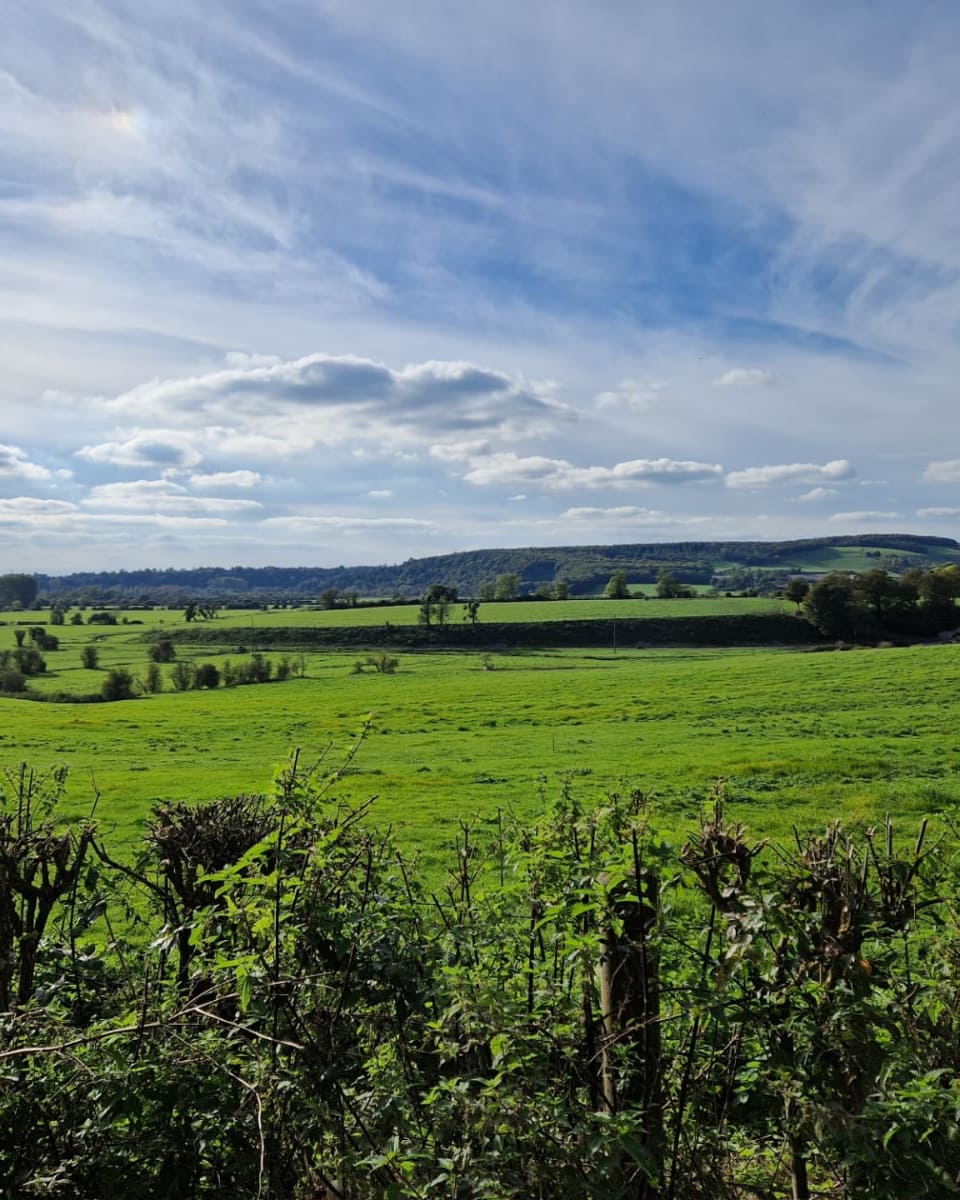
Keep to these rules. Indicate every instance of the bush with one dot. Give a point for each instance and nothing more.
(90, 657)
(206, 676)
(101, 618)
(162, 651)
(118, 685)
(182, 676)
(26, 659)
(12, 680)
(153, 681)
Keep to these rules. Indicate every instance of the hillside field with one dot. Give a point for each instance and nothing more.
(798, 737)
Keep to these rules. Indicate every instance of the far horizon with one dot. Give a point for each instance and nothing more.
(341, 285)
(867, 540)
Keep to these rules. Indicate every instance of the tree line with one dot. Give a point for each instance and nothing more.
(874, 602)
(584, 568)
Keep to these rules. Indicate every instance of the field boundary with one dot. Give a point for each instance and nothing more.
(637, 633)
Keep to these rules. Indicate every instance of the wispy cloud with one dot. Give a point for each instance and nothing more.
(317, 258)
(761, 477)
(745, 377)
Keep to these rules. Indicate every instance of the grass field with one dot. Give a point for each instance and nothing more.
(798, 736)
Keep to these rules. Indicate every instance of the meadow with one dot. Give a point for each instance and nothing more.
(799, 737)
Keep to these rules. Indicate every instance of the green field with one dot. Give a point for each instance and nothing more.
(529, 611)
(798, 736)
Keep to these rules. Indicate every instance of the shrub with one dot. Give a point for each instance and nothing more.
(90, 657)
(206, 676)
(118, 685)
(182, 676)
(153, 680)
(26, 659)
(162, 651)
(101, 618)
(12, 679)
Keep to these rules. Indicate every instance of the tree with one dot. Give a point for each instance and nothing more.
(89, 657)
(57, 616)
(19, 634)
(938, 591)
(18, 589)
(617, 587)
(561, 590)
(669, 586)
(796, 591)
(182, 676)
(488, 590)
(472, 611)
(436, 603)
(206, 676)
(507, 586)
(329, 598)
(881, 592)
(162, 651)
(153, 681)
(118, 685)
(834, 606)
(12, 679)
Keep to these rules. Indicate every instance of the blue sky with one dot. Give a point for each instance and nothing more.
(320, 283)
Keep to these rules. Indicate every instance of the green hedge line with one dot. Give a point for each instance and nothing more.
(739, 630)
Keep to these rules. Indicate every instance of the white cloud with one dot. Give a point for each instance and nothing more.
(355, 396)
(17, 507)
(14, 463)
(755, 477)
(518, 498)
(945, 471)
(161, 496)
(866, 516)
(745, 377)
(380, 494)
(507, 467)
(629, 394)
(630, 514)
(815, 494)
(237, 479)
(305, 523)
(938, 512)
(161, 448)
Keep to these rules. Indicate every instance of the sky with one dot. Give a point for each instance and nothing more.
(310, 282)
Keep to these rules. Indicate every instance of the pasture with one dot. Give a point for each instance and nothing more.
(798, 737)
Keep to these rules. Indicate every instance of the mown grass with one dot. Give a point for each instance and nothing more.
(798, 737)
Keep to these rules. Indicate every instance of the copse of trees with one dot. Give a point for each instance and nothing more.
(854, 606)
(18, 590)
(435, 606)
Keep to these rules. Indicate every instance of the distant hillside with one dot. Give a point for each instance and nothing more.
(585, 569)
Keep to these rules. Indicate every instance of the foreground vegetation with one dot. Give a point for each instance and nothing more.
(577, 1010)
